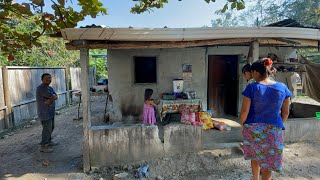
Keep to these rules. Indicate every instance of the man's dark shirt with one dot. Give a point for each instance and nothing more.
(45, 111)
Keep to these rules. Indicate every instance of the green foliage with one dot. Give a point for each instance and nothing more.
(306, 12)
(12, 40)
(148, 5)
(99, 62)
(52, 51)
(312, 55)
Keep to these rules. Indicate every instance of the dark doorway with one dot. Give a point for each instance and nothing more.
(223, 84)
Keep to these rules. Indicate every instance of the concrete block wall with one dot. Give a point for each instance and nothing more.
(124, 144)
(182, 138)
(302, 129)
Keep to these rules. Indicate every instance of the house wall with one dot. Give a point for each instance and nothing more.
(128, 96)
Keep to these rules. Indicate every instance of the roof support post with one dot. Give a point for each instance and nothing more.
(254, 51)
(85, 93)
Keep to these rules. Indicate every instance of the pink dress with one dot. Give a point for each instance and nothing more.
(148, 114)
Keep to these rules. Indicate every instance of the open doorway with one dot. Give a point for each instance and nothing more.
(223, 84)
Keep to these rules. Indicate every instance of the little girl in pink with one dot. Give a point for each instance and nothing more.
(149, 116)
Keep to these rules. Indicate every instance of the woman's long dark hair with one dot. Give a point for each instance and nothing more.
(147, 94)
(264, 67)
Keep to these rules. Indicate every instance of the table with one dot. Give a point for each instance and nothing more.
(172, 106)
(109, 98)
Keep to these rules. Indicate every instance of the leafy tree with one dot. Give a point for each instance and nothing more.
(51, 53)
(61, 15)
(148, 5)
(306, 12)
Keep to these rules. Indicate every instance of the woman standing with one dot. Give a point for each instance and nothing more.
(265, 107)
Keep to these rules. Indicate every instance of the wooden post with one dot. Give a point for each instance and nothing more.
(67, 76)
(84, 64)
(7, 98)
(254, 51)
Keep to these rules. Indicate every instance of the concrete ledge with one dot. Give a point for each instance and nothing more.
(114, 145)
(182, 138)
(302, 129)
(301, 110)
(110, 145)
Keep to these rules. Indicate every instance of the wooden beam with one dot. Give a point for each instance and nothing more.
(287, 42)
(9, 113)
(84, 64)
(255, 50)
(76, 45)
(253, 54)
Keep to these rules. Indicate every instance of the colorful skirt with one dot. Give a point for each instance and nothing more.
(263, 143)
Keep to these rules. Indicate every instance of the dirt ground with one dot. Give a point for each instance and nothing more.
(21, 159)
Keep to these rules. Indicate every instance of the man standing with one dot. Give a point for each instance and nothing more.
(46, 97)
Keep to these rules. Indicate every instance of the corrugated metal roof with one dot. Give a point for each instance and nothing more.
(289, 23)
(187, 34)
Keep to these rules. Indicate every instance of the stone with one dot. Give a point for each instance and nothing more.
(130, 168)
(58, 112)
(91, 171)
(120, 176)
(159, 178)
(33, 122)
(101, 179)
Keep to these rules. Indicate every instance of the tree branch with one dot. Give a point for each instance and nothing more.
(59, 12)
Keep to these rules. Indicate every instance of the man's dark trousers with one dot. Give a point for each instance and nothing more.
(48, 126)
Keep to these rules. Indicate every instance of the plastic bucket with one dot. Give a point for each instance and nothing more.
(178, 85)
(318, 115)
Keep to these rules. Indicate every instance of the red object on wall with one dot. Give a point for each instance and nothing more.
(10, 57)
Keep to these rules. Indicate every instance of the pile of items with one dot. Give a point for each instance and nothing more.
(190, 117)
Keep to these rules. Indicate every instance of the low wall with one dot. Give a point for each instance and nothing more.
(302, 129)
(180, 138)
(301, 110)
(111, 145)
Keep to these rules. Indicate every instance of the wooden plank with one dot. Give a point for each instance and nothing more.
(2, 102)
(75, 78)
(32, 67)
(2, 120)
(67, 80)
(151, 45)
(3, 107)
(84, 64)
(7, 97)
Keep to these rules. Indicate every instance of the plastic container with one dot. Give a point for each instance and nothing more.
(318, 115)
(178, 85)
(191, 94)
